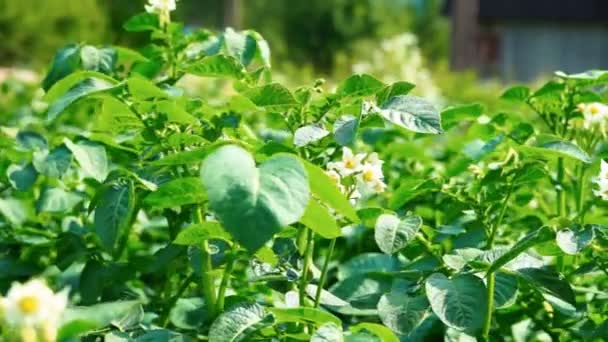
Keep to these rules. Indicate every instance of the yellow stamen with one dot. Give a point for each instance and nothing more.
(28, 305)
(349, 163)
(368, 175)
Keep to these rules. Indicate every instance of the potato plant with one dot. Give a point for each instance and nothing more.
(254, 212)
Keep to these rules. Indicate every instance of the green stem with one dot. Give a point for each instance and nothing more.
(560, 198)
(173, 300)
(207, 280)
(332, 245)
(581, 195)
(307, 261)
(224, 283)
(501, 215)
(491, 280)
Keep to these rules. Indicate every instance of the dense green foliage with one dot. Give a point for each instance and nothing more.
(254, 211)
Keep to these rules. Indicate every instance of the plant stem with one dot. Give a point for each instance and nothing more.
(581, 195)
(330, 251)
(173, 300)
(501, 215)
(560, 198)
(491, 280)
(224, 283)
(307, 261)
(207, 280)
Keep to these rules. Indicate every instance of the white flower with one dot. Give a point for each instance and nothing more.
(602, 181)
(594, 114)
(33, 308)
(163, 8)
(371, 175)
(349, 164)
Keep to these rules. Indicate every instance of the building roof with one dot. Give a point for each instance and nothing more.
(544, 10)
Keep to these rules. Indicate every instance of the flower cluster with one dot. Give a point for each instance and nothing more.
(595, 114)
(602, 181)
(32, 311)
(163, 8)
(366, 170)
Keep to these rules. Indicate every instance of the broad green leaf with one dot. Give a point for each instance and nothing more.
(113, 212)
(176, 193)
(413, 113)
(262, 48)
(176, 113)
(116, 118)
(402, 313)
(142, 22)
(318, 218)
(359, 85)
(272, 97)
(543, 234)
(392, 234)
(516, 93)
(65, 61)
(573, 240)
(188, 313)
(81, 90)
(80, 320)
(460, 302)
(91, 157)
(196, 234)
(395, 89)
(102, 60)
(326, 190)
(21, 177)
(309, 134)
(304, 315)
(384, 333)
(185, 157)
(254, 203)
(144, 89)
(29, 140)
(362, 292)
(239, 45)
(410, 189)
(505, 289)
(328, 332)
(548, 282)
(239, 322)
(454, 115)
(338, 305)
(217, 66)
(13, 210)
(367, 263)
(60, 88)
(345, 130)
(57, 200)
(54, 164)
(556, 149)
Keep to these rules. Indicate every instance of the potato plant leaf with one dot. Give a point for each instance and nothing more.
(392, 233)
(239, 322)
(413, 113)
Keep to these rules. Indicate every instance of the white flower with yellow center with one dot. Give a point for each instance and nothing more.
(594, 114)
(163, 8)
(349, 164)
(371, 175)
(32, 309)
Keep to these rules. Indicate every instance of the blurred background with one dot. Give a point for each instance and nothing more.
(446, 47)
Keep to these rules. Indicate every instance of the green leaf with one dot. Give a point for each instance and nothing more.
(345, 130)
(142, 22)
(384, 333)
(113, 213)
(79, 320)
(328, 332)
(176, 113)
(413, 113)
(395, 89)
(240, 45)
(543, 234)
(188, 313)
(548, 282)
(29, 140)
(217, 66)
(239, 322)
(54, 164)
(70, 81)
(392, 234)
(410, 189)
(272, 97)
(358, 86)
(309, 134)
(254, 203)
(186, 157)
(102, 60)
(65, 61)
(304, 315)
(505, 290)
(81, 90)
(367, 263)
(318, 218)
(326, 190)
(57, 200)
(556, 149)
(13, 210)
(402, 313)
(454, 115)
(21, 177)
(460, 302)
(91, 157)
(144, 89)
(176, 193)
(575, 239)
(196, 234)
(516, 93)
